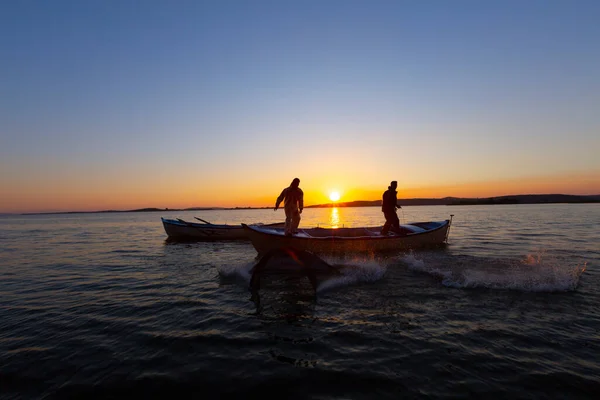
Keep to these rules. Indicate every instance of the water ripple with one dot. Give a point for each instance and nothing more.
(100, 306)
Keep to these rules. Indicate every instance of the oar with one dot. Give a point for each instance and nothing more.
(200, 219)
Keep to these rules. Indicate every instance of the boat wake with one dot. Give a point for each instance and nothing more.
(344, 272)
(533, 273)
(351, 272)
(233, 272)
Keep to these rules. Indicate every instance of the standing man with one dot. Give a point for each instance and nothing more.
(389, 206)
(293, 203)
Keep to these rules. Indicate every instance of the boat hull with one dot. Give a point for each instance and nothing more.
(182, 230)
(350, 240)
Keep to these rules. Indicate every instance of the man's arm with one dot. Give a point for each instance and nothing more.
(280, 199)
(301, 201)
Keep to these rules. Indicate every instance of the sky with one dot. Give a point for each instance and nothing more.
(121, 104)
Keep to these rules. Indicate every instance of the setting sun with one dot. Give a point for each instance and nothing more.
(334, 196)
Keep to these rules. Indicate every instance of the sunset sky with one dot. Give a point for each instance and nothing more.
(130, 104)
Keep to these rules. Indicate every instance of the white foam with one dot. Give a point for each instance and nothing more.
(353, 272)
(420, 265)
(534, 273)
(243, 271)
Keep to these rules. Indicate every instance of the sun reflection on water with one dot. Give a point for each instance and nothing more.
(334, 217)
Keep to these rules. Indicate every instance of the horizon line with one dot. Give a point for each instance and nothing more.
(332, 204)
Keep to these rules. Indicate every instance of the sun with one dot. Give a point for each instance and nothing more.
(334, 196)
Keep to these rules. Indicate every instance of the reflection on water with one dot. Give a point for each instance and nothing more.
(99, 306)
(334, 218)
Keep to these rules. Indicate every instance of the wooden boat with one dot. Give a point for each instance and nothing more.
(178, 229)
(350, 240)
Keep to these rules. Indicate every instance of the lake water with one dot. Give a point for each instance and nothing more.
(101, 305)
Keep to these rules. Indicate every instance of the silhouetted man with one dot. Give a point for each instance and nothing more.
(293, 199)
(389, 206)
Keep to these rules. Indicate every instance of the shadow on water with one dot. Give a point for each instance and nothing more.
(284, 298)
(285, 283)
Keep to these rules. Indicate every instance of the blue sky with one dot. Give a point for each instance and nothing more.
(159, 92)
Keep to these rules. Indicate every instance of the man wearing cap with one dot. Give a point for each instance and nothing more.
(293, 203)
(389, 206)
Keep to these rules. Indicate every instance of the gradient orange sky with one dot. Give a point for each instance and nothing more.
(124, 194)
(206, 104)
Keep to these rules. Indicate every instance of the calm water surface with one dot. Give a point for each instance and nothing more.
(101, 305)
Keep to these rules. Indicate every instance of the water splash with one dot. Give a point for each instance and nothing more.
(535, 272)
(352, 272)
(417, 264)
(236, 271)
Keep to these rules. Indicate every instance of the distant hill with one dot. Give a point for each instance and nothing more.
(377, 203)
(149, 209)
(528, 199)
(455, 201)
(445, 201)
(359, 203)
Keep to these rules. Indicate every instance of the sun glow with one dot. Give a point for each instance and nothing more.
(334, 196)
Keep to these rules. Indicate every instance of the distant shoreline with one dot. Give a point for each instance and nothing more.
(447, 201)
